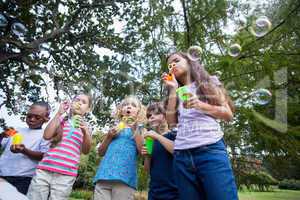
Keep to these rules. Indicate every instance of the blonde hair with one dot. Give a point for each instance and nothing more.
(141, 115)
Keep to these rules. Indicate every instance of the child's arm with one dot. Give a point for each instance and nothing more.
(147, 160)
(20, 148)
(107, 140)
(220, 112)
(165, 142)
(139, 140)
(171, 111)
(52, 127)
(87, 139)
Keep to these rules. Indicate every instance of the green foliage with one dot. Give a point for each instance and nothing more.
(143, 178)
(260, 181)
(81, 194)
(87, 167)
(289, 184)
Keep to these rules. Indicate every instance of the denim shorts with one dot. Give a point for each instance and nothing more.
(205, 173)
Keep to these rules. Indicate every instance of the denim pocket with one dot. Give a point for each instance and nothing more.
(218, 147)
(216, 151)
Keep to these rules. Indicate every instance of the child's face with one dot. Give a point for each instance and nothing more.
(80, 105)
(130, 109)
(181, 65)
(155, 119)
(36, 116)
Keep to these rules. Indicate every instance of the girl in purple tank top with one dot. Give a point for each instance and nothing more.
(196, 103)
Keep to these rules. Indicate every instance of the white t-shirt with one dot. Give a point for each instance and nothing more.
(18, 164)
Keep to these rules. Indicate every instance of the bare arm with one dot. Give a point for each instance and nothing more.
(20, 148)
(139, 142)
(52, 127)
(220, 112)
(171, 112)
(107, 140)
(217, 111)
(167, 144)
(104, 145)
(34, 155)
(87, 139)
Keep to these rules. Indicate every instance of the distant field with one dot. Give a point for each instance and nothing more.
(276, 195)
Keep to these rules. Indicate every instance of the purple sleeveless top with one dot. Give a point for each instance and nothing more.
(195, 128)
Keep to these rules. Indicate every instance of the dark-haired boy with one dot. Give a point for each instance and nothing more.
(18, 161)
(160, 163)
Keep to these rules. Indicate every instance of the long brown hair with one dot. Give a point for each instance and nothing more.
(207, 90)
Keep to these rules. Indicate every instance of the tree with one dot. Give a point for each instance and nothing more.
(60, 45)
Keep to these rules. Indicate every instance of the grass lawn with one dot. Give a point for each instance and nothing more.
(275, 195)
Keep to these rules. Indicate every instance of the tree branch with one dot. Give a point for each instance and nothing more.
(187, 26)
(204, 17)
(34, 45)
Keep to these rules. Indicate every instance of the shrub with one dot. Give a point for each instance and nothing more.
(289, 184)
(81, 194)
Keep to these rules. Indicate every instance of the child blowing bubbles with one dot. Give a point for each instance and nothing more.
(160, 162)
(201, 163)
(116, 177)
(57, 171)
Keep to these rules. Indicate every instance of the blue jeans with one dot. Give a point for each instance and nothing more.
(204, 173)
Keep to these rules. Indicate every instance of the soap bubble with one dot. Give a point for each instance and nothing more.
(261, 26)
(234, 50)
(261, 96)
(18, 29)
(194, 53)
(3, 21)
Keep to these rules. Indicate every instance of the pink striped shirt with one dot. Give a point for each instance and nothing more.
(64, 158)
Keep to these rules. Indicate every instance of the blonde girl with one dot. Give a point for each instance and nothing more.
(116, 177)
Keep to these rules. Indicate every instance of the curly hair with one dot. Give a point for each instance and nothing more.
(141, 115)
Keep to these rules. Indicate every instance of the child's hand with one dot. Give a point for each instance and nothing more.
(17, 148)
(84, 127)
(112, 133)
(63, 107)
(193, 102)
(151, 134)
(172, 84)
(144, 151)
(10, 131)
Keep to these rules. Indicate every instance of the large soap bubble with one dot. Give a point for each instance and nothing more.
(261, 26)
